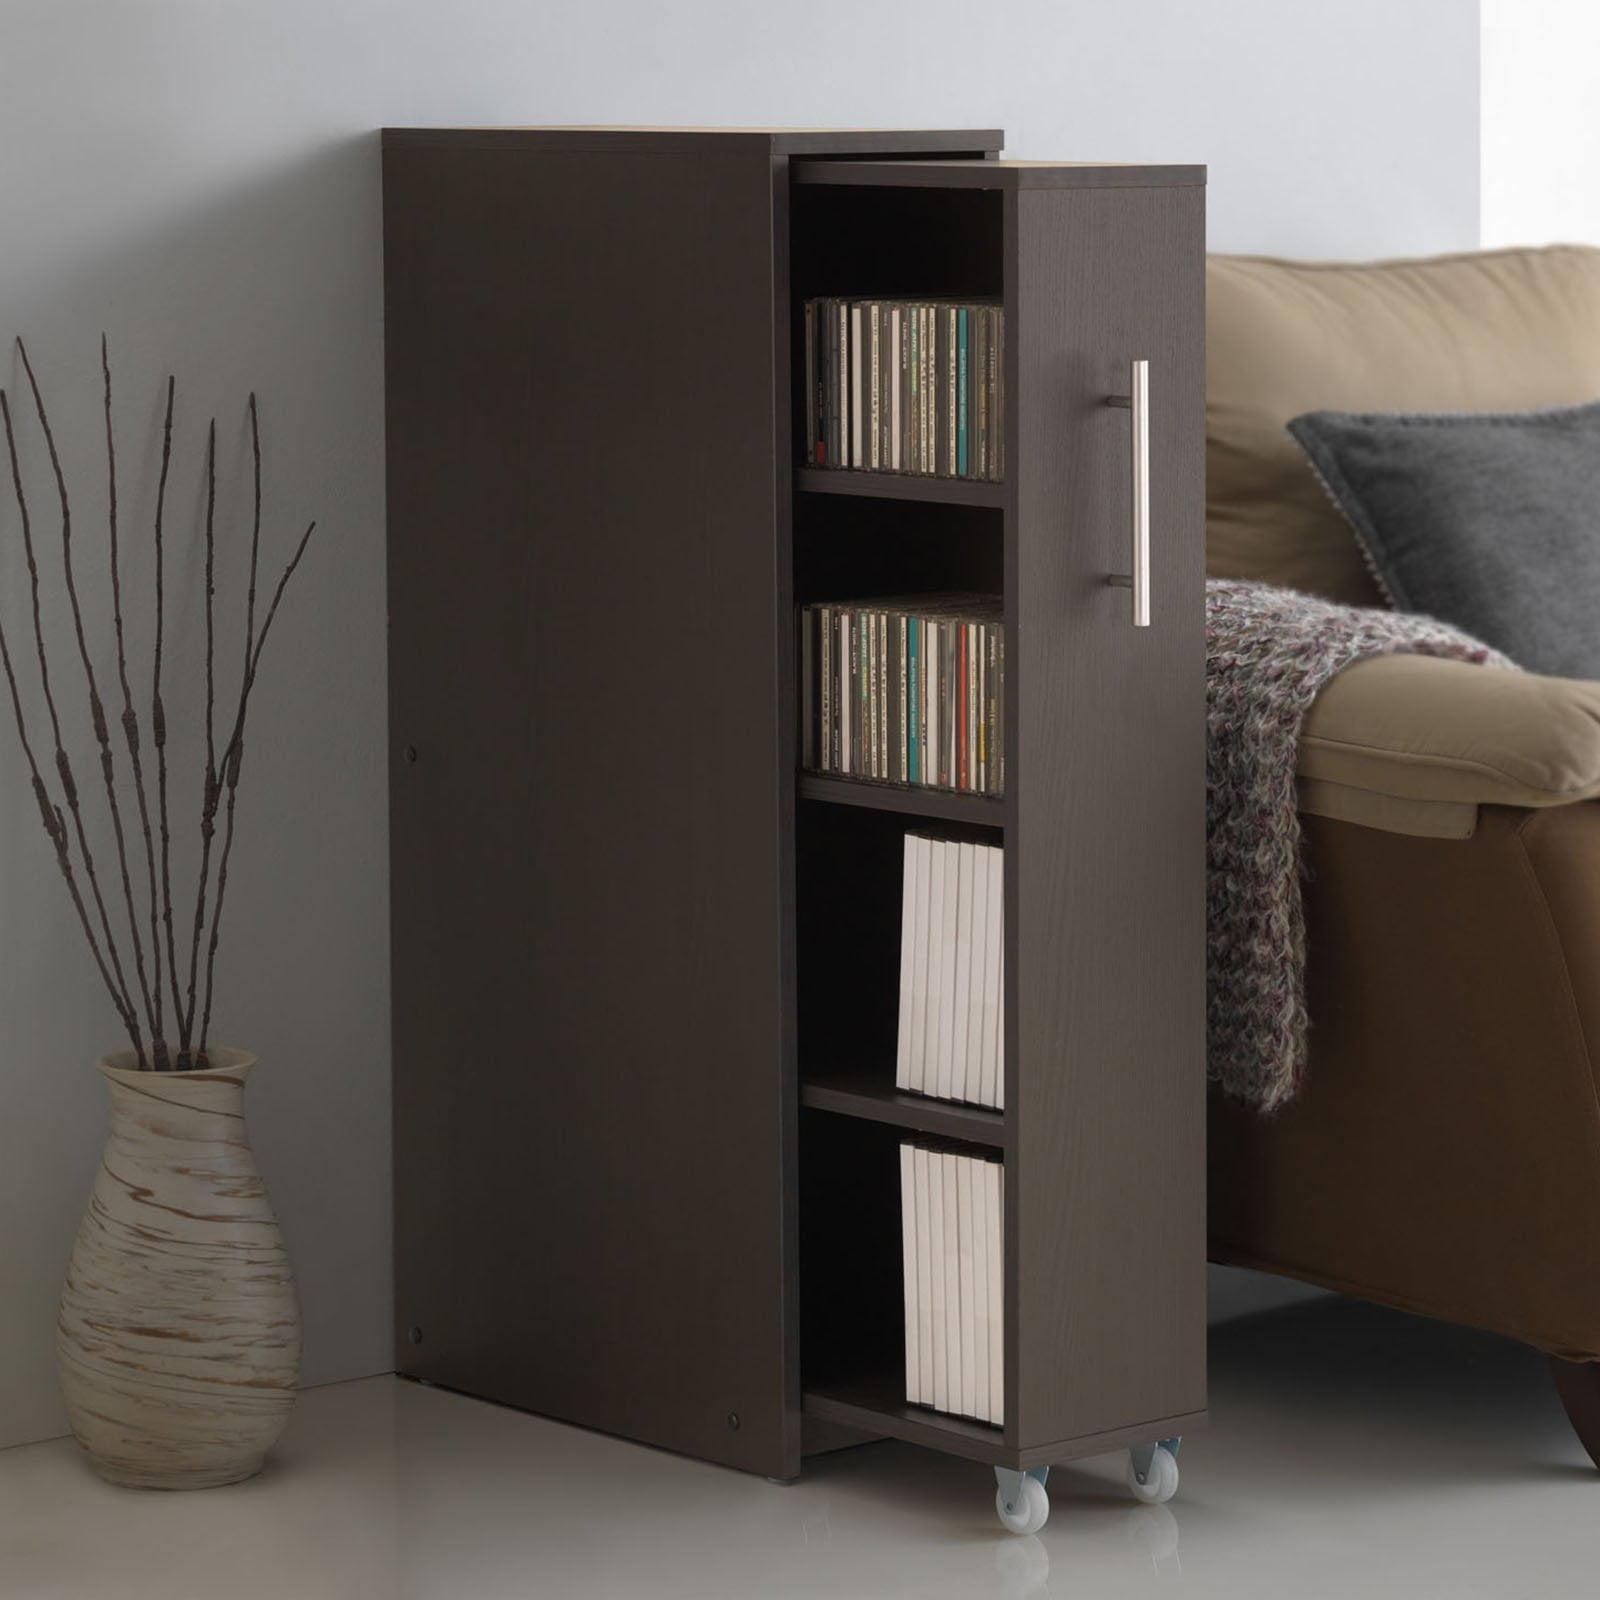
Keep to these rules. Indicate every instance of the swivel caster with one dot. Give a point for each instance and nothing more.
(1021, 1500)
(1153, 1471)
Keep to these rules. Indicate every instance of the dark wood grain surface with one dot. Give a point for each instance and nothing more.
(625, 928)
(858, 143)
(907, 173)
(589, 1016)
(899, 486)
(943, 804)
(879, 1407)
(865, 1093)
(1106, 852)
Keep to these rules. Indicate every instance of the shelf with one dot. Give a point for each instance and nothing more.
(900, 486)
(855, 1095)
(986, 810)
(878, 1406)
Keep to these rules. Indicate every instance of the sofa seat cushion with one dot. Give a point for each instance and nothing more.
(1507, 330)
(1414, 743)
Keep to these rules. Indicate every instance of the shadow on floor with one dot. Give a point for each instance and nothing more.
(1386, 1395)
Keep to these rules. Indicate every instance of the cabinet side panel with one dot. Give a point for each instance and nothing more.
(588, 1008)
(1108, 853)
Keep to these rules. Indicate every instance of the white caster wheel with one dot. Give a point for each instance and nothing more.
(1021, 1502)
(1153, 1472)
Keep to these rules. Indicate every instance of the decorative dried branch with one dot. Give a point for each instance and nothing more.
(211, 595)
(97, 708)
(50, 815)
(130, 731)
(221, 770)
(69, 785)
(233, 758)
(255, 533)
(209, 798)
(272, 610)
(158, 725)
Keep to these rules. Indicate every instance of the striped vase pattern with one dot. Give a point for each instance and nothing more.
(179, 1334)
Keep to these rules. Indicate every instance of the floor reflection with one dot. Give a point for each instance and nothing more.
(1351, 1451)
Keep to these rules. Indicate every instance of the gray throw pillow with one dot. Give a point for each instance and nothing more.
(1487, 520)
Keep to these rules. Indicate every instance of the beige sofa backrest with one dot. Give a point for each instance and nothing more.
(1505, 330)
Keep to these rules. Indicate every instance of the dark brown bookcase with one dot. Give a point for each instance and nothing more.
(645, 968)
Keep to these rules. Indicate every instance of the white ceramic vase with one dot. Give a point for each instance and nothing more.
(179, 1334)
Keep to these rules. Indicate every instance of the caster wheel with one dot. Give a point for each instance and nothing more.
(1028, 1512)
(1160, 1480)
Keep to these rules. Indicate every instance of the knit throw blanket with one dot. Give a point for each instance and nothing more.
(1268, 653)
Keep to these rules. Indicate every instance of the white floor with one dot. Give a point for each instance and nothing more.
(1351, 1452)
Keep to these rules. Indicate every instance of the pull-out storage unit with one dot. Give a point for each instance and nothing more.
(645, 963)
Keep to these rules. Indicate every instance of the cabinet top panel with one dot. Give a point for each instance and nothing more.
(781, 141)
(961, 174)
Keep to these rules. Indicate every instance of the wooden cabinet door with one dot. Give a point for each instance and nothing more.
(1106, 853)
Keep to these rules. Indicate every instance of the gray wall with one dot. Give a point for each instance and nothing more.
(200, 179)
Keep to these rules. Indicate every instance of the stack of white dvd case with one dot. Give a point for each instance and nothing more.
(952, 971)
(952, 1230)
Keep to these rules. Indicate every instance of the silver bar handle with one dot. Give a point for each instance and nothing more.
(1137, 402)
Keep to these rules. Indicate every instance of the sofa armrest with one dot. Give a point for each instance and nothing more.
(1415, 744)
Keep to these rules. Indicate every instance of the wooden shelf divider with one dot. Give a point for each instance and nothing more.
(880, 1407)
(855, 1095)
(943, 804)
(900, 486)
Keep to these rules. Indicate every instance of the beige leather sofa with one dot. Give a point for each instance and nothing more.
(1444, 1154)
